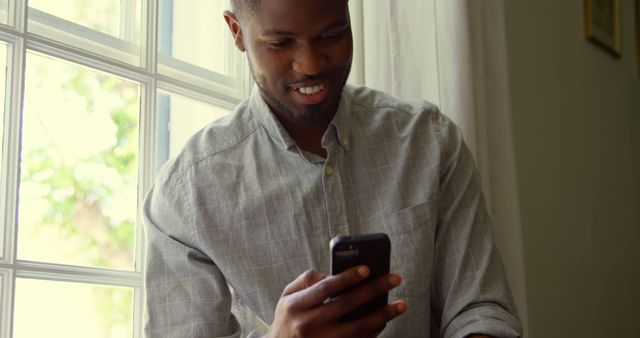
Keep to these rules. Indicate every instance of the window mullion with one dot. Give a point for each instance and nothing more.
(6, 303)
(128, 20)
(12, 124)
(10, 174)
(146, 150)
(138, 312)
(67, 273)
(18, 15)
(147, 146)
(146, 174)
(9, 170)
(150, 35)
(10, 145)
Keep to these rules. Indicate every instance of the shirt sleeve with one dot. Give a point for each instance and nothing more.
(186, 294)
(470, 294)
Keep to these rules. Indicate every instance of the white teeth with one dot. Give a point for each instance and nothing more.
(311, 90)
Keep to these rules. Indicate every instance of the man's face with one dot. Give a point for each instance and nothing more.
(300, 55)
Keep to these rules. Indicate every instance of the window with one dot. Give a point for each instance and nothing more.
(95, 99)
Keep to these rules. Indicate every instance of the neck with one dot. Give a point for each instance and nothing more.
(308, 136)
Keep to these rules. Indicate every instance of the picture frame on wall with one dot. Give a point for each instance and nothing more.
(602, 24)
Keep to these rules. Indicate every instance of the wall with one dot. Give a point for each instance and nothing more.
(576, 118)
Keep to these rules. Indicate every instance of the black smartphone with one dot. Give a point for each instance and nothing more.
(372, 250)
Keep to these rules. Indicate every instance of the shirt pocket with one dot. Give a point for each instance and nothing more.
(412, 232)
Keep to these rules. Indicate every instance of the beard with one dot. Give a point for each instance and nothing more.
(315, 111)
(314, 114)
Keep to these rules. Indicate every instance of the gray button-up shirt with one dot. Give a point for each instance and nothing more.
(242, 208)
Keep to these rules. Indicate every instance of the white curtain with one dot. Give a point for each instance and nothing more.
(453, 53)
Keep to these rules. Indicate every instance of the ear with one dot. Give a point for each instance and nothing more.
(236, 30)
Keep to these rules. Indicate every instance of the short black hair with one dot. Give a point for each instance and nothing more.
(240, 7)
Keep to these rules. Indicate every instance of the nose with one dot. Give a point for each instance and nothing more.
(309, 60)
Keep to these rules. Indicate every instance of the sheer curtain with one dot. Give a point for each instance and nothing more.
(453, 53)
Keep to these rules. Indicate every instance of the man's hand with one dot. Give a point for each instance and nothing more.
(303, 309)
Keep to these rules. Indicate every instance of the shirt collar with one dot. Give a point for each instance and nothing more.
(339, 130)
(342, 121)
(265, 117)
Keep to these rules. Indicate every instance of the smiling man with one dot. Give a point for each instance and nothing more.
(252, 201)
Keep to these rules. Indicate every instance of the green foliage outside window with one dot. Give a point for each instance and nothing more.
(87, 199)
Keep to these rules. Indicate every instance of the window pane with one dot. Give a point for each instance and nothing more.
(106, 26)
(78, 184)
(120, 19)
(5, 277)
(4, 14)
(194, 32)
(178, 119)
(3, 79)
(71, 310)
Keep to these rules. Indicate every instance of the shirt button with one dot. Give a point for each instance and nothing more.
(329, 170)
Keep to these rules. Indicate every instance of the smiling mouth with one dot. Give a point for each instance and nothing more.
(310, 95)
(310, 90)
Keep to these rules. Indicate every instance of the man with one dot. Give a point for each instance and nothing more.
(253, 200)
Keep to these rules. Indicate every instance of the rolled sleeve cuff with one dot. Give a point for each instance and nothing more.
(493, 321)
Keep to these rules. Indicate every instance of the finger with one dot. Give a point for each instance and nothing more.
(328, 287)
(362, 295)
(305, 280)
(374, 323)
(401, 307)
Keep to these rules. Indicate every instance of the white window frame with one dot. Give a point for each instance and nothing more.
(19, 40)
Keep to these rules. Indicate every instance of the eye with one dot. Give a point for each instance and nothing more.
(331, 36)
(280, 43)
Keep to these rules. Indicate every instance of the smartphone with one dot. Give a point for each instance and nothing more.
(372, 250)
